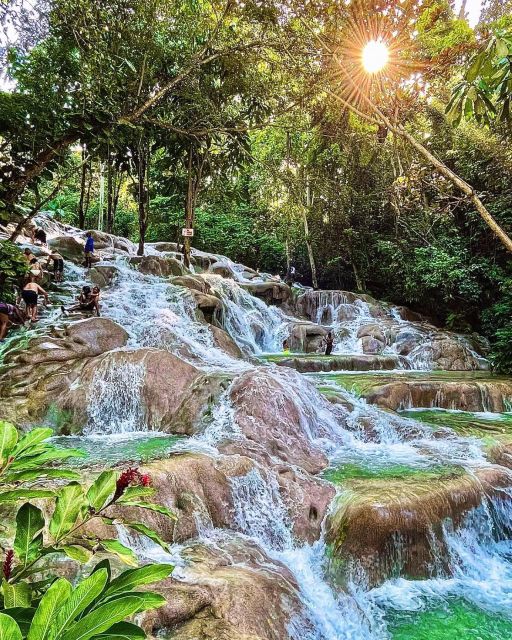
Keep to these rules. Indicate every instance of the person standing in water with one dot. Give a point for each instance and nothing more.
(58, 265)
(88, 250)
(31, 292)
(329, 343)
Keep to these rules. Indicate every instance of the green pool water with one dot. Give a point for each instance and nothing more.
(464, 422)
(110, 450)
(456, 620)
(350, 471)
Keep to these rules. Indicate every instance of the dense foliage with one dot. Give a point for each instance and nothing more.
(233, 118)
(36, 603)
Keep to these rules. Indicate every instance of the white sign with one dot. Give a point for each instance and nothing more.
(187, 233)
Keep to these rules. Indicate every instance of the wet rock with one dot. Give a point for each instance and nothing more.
(174, 394)
(363, 362)
(478, 395)
(69, 246)
(111, 242)
(163, 246)
(230, 590)
(223, 269)
(197, 283)
(372, 331)
(391, 527)
(306, 337)
(207, 304)
(273, 293)
(157, 266)
(103, 274)
(225, 342)
(269, 412)
(407, 314)
(371, 345)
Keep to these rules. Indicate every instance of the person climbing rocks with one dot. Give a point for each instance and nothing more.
(40, 236)
(58, 265)
(329, 343)
(36, 270)
(9, 314)
(28, 255)
(30, 294)
(87, 301)
(89, 250)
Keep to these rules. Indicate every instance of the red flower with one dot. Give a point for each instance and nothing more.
(131, 478)
(7, 565)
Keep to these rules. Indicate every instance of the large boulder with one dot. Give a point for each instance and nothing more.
(69, 246)
(229, 589)
(370, 516)
(171, 394)
(157, 266)
(104, 240)
(273, 293)
(103, 274)
(270, 411)
(306, 336)
(196, 283)
(317, 364)
(225, 342)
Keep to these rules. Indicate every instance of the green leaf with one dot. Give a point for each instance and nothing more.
(31, 439)
(77, 552)
(86, 592)
(122, 631)
(103, 564)
(8, 440)
(101, 489)
(37, 474)
(474, 67)
(137, 577)
(158, 508)
(501, 48)
(23, 494)
(136, 492)
(122, 552)
(23, 616)
(16, 595)
(140, 527)
(9, 630)
(29, 537)
(67, 509)
(103, 618)
(52, 601)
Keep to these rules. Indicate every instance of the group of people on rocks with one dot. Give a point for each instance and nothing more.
(31, 290)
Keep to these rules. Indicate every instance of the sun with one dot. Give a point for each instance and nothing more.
(375, 56)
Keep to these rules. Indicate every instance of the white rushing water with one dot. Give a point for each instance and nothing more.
(157, 314)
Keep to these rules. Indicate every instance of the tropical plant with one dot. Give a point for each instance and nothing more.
(95, 609)
(12, 269)
(63, 526)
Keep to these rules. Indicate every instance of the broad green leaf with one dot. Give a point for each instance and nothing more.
(9, 630)
(474, 67)
(86, 592)
(31, 439)
(152, 507)
(140, 527)
(137, 577)
(51, 603)
(16, 595)
(77, 552)
(37, 474)
(122, 552)
(67, 509)
(101, 489)
(103, 618)
(29, 538)
(136, 492)
(23, 494)
(31, 462)
(8, 440)
(122, 631)
(23, 617)
(501, 48)
(103, 564)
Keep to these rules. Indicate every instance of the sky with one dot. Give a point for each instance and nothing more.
(473, 8)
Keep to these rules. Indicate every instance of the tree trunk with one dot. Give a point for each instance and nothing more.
(83, 182)
(189, 210)
(309, 246)
(142, 159)
(110, 195)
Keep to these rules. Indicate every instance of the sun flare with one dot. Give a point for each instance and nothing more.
(375, 56)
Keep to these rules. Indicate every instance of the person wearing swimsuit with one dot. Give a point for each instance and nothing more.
(87, 301)
(329, 343)
(31, 292)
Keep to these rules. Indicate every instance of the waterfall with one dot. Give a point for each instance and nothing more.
(116, 404)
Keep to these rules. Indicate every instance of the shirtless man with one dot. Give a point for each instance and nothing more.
(58, 265)
(87, 301)
(28, 255)
(9, 314)
(31, 292)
